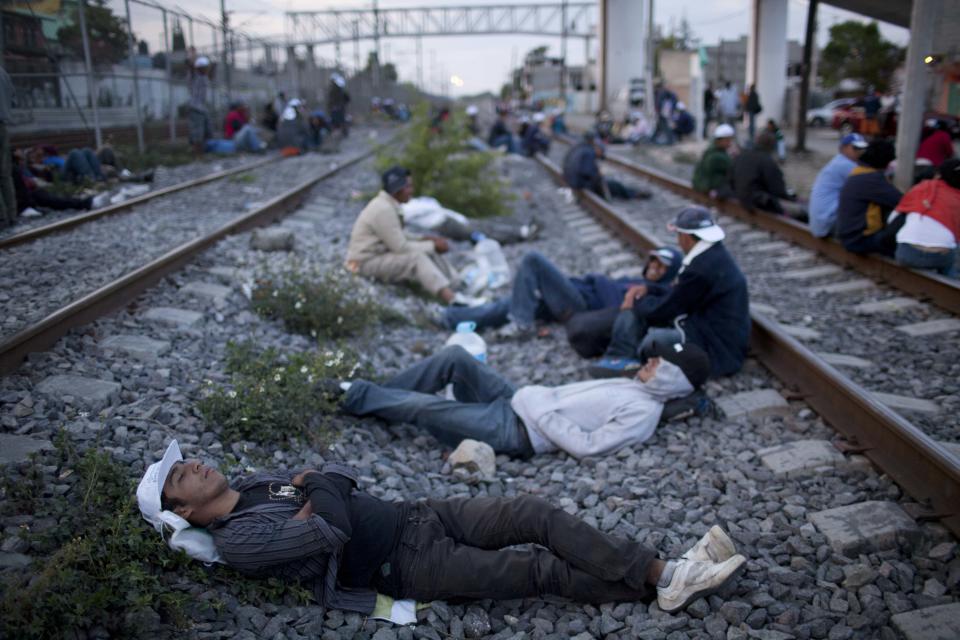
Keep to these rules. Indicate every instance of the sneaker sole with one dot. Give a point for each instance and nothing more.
(710, 591)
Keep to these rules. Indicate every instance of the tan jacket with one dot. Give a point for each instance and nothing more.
(379, 230)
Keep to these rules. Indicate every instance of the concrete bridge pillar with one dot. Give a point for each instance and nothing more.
(767, 57)
(623, 27)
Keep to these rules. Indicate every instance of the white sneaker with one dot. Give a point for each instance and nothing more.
(693, 580)
(462, 300)
(100, 200)
(30, 212)
(714, 546)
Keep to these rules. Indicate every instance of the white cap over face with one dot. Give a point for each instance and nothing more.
(697, 221)
(151, 485)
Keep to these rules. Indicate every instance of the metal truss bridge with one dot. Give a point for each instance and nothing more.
(337, 26)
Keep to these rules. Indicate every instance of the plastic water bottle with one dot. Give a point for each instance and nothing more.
(467, 337)
(490, 254)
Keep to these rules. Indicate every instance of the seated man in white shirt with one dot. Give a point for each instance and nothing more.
(595, 417)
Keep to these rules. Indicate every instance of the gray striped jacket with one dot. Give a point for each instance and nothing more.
(265, 540)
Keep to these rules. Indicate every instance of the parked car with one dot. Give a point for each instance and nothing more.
(823, 116)
(850, 119)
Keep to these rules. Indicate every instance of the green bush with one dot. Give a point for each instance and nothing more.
(442, 169)
(105, 566)
(273, 397)
(322, 305)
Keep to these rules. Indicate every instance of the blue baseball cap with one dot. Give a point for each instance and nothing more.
(394, 179)
(857, 140)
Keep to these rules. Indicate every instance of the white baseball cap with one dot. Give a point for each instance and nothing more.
(697, 221)
(724, 131)
(472, 110)
(539, 117)
(202, 61)
(151, 485)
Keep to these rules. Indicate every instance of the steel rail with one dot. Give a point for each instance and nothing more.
(120, 292)
(925, 469)
(941, 291)
(75, 221)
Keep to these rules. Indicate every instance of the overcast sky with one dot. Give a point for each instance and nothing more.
(483, 62)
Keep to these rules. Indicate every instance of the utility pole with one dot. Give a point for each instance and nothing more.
(420, 63)
(563, 55)
(376, 46)
(651, 54)
(356, 46)
(91, 81)
(224, 25)
(808, 45)
(136, 79)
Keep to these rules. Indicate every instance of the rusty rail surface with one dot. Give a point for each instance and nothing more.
(921, 466)
(941, 291)
(83, 218)
(120, 292)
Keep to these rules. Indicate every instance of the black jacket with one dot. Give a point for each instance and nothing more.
(758, 181)
(712, 293)
(580, 168)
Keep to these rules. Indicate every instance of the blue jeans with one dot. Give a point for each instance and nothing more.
(481, 410)
(632, 338)
(247, 140)
(505, 140)
(540, 290)
(81, 164)
(943, 263)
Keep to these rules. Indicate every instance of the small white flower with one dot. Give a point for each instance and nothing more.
(304, 369)
(339, 319)
(243, 419)
(310, 378)
(298, 306)
(313, 333)
(232, 393)
(276, 378)
(275, 293)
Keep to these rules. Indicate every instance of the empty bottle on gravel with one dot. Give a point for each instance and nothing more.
(467, 337)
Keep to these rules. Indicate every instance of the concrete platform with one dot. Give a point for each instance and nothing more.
(801, 457)
(907, 403)
(847, 286)
(890, 305)
(843, 360)
(209, 290)
(800, 333)
(752, 403)
(173, 317)
(139, 347)
(765, 309)
(941, 622)
(15, 449)
(865, 527)
(89, 392)
(812, 272)
(931, 327)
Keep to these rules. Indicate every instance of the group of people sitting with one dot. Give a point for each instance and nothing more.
(661, 336)
(529, 140)
(853, 198)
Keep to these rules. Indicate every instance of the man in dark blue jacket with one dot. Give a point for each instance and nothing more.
(534, 139)
(541, 291)
(866, 199)
(708, 305)
(582, 171)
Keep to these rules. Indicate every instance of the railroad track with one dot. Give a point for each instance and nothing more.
(923, 467)
(127, 205)
(943, 292)
(40, 335)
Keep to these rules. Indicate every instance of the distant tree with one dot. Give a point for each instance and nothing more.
(159, 60)
(143, 48)
(107, 34)
(858, 51)
(388, 72)
(179, 42)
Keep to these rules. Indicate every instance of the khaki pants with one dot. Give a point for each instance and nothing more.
(430, 270)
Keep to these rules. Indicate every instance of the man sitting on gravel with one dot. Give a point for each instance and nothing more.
(317, 528)
(582, 171)
(708, 306)
(542, 292)
(582, 418)
(380, 249)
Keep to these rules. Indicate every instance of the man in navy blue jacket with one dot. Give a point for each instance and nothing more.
(581, 170)
(542, 292)
(708, 305)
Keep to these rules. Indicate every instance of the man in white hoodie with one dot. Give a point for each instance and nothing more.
(595, 417)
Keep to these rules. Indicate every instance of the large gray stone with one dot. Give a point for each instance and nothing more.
(889, 305)
(18, 448)
(847, 286)
(931, 327)
(13, 560)
(89, 392)
(173, 317)
(272, 239)
(906, 403)
(209, 290)
(800, 333)
(801, 457)
(812, 272)
(865, 527)
(941, 622)
(752, 403)
(473, 456)
(843, 360)
(767, 247)
(139, 347)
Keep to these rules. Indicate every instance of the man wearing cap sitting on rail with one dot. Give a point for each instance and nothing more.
(582, 171)
(866, 200)
(708, 306)
(826, 188)
(380, 249)
(541, 292)
(712, 173)
(318, 528)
